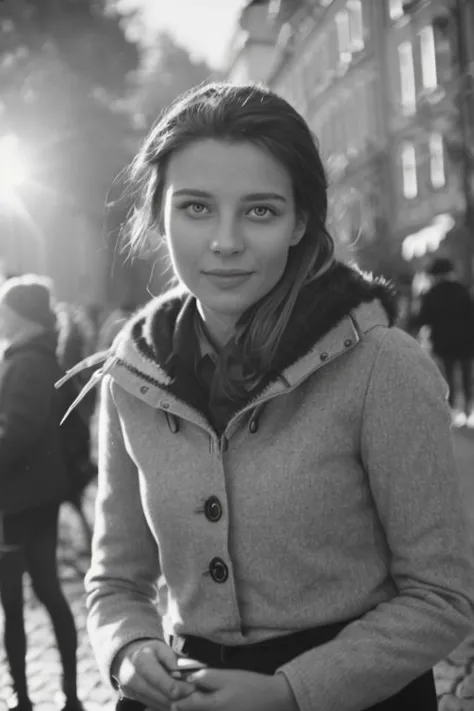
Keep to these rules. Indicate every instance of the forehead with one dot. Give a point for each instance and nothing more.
(219, 166)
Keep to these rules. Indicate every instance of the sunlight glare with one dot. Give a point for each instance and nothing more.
(13, 168)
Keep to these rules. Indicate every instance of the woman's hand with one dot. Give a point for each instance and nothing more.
(231, 690)
(142, 670)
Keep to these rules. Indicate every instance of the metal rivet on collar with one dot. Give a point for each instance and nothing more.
(165, 404)
(144, 389)
(324, 355)
(348, 342)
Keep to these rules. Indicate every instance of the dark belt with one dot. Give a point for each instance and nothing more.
(267, 656)
(261, 657)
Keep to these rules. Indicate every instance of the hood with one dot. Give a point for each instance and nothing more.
(320, 307)
(149, 344)
(155, 332)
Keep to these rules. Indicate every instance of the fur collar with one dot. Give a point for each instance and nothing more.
(163, 331)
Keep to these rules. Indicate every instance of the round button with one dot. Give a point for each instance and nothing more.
(324, 355)
(348, 343)
(218, 570)
(213, 509)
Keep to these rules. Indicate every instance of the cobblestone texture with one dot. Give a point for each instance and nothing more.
(454, 676)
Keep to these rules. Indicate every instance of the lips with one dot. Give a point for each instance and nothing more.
(227, 273)
(227, 279)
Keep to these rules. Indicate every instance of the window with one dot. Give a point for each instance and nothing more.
(343, 35)
(356, 25)
(437, 170)
(428, 58)
(410, 181)
(395, 9)
(407, 78)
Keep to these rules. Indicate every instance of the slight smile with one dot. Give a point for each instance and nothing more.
(227, 278)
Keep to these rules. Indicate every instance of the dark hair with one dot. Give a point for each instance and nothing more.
(256, 115)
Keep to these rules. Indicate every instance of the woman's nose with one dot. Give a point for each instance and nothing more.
(228, 238)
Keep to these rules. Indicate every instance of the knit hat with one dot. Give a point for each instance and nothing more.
(30, 297)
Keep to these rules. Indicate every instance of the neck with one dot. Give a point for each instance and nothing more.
(218, 328)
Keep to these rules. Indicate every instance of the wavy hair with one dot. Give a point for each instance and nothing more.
(256, 115)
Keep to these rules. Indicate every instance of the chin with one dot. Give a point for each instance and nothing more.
(224, 303)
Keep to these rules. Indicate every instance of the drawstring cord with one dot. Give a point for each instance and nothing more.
(255, 417)
(173, 422)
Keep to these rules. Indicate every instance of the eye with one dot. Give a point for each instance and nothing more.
(194, 209)
(261, 211)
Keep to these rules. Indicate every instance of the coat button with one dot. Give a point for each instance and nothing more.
(144, 389)
(218, 570)
(213, 509)
(348, 342)
(165, 404)
(324, 355)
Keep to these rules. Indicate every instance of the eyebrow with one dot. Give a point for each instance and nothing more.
(248, 198)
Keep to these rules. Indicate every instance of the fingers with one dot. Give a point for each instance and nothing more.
(211, 679)
(143, 676)
(199, 701)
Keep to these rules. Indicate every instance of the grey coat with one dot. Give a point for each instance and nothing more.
(342, 501)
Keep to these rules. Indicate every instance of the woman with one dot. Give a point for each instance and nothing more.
(33, 480)
(269, 445)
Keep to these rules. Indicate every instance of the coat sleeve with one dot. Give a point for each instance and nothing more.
(121, 583)
(26, 394)
(407, 452)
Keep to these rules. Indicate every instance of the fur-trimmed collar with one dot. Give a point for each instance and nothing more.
(164, 329)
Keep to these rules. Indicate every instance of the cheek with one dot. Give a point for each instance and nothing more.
(273, 252)
(185, 244)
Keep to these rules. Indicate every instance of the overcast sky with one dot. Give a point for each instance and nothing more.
(203, 26)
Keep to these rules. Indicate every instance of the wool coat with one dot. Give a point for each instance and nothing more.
(331, 495)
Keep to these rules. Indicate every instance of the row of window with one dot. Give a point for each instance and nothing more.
(350, 29)
(344, 37)
(429, 74)
(338, 132)
(410, 164)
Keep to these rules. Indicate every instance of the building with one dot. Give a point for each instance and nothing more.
(378, 83)
(427, 44)
(327, 60)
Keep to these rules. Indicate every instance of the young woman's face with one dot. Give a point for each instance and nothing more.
(229, 218)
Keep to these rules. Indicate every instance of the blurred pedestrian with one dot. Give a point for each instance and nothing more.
(447, 309)
(33, 479)
(270, 445)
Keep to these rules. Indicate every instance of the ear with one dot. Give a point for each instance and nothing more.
(300, 229)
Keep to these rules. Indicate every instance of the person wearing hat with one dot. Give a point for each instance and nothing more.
(447, 309)
(33, 478)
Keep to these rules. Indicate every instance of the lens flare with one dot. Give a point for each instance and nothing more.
(13, 166)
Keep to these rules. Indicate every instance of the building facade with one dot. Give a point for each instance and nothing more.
(429, 127)
(379, 83)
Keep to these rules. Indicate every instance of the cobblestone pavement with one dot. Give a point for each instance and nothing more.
(454, 676)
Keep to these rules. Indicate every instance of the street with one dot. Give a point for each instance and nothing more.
(454, 677)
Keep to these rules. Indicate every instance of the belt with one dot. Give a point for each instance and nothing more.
(262, 657)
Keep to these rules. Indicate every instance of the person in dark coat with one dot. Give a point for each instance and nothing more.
(33, 478)
(447, 309)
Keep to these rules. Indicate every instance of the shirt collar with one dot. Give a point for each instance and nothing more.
(205, 346)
